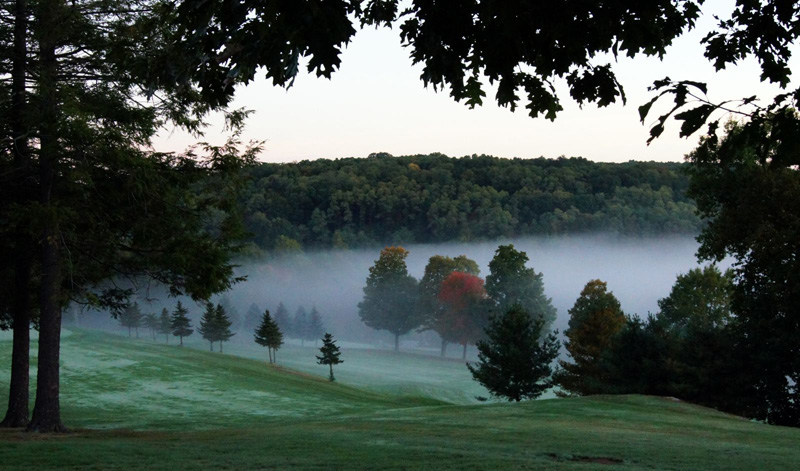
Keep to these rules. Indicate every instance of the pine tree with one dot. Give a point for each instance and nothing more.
(164, 324)
(131, 318)
(513, 363)
(180, 323)
(269, 335)
(151, 321)
(283, 320)
(222, 324)
(231, 312)
(315, 326)
(300, 325)
(330, 354)
(208, 325)
(252, 318)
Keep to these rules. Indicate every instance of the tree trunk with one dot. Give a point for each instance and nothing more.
(211, 345)
(19, 386)
(464, 355)
(47, 410)
(220, 346)
(444, 348)
(137, 332)
(396, 342)
(181, 340)
(269, 351)
(331, 367)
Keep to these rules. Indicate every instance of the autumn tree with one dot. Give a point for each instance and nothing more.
(180, 323)
(511, 282)
(594, 320)
(430, 307)
(513, 362)
(269, 335)
(131, 318)
(465, 311)
(390, 295)
(329, 354)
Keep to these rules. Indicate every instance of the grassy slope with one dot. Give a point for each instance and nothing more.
(171, 408)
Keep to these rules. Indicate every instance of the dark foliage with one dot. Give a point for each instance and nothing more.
(329, 354)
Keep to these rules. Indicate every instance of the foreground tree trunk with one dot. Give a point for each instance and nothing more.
(19, 385)
(47, 410)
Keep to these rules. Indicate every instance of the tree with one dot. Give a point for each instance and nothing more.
(390, 295)
(465, 312)
(300, 325)
(436, 271)
(594, 320)
(315, 325)
(747, 186)
(222, 326)
(208, 325)
(252, 318)
(330, 354)
(180, 324)
(513, 362)
(165, 324)
(510, 282)
(131, 318)
(152, 323)
(269, 335)
(699, 300)
(283, 320)
(231, 313)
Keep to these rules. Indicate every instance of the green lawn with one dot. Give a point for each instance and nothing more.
(135, 404)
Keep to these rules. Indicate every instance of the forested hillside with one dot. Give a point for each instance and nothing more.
(434, 198)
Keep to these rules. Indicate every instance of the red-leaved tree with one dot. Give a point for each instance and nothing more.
(466, 312)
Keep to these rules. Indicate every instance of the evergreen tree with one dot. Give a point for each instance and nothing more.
(180, 324)
(300, 325)
(252, 318)
(390, 295)
(269, 335)
(330, 354)
(231, 312)
(208, 325)
(510, 282)
(595, 319)
(151, 321)
(283, 320)
(222, 326)
(513, 363)
(164, 324)
(315, 326)
(131, 318)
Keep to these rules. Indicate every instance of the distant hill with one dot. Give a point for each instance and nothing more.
(434, 198)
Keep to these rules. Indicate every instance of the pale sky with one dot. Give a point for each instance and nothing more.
(377, 103)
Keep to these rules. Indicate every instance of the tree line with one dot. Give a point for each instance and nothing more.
(432, 198)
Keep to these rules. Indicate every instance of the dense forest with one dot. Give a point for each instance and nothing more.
(434, 198)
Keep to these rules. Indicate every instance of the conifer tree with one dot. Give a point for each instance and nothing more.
(252, 318)
(131, 318)
(164, 324)
(151, 321)
(300, 325)
(283, 320)
(208, 325)
(315, 326)
(330, 354)
(180, 323)
(269, 335)
(513, 363)
(222, 324)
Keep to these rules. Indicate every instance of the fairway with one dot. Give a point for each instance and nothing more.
(138, 404)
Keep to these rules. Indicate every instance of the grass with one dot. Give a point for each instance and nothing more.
(135, 404)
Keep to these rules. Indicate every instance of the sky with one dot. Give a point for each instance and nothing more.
(376, 103)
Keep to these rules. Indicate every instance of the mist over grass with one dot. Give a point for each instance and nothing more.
(638, 270)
